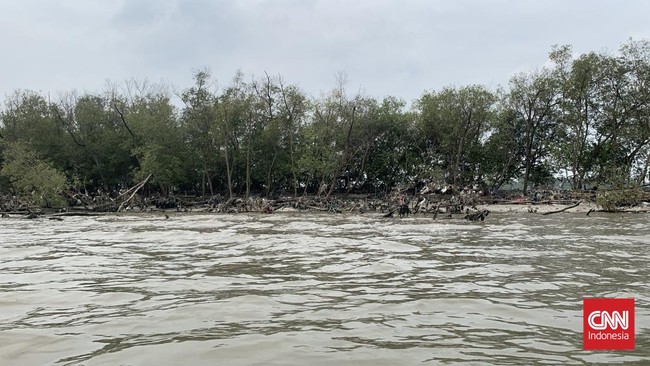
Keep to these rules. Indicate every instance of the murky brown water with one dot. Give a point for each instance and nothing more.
(315, 289)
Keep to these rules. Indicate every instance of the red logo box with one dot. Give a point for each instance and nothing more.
(608, 324)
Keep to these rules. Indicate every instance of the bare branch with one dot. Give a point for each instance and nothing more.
(66, 126)
(119, 112)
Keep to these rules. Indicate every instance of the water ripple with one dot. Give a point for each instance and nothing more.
(320, 289)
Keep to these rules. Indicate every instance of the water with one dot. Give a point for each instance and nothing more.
(303, 289)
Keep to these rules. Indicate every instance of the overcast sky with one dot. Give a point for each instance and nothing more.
(386, 47)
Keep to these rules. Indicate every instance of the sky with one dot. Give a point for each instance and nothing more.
(385, 47)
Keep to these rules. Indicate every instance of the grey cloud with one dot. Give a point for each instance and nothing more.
(386, 47)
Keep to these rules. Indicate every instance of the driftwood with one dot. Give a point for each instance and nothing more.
(224, 207)
(476, 216)
(79, 198)
(435, 212)
(135, 189)
(404, 210)
(23, 212)
(500, 201)
(316, 208)
(564, 209)
(77, 213)
(619, 211)
(439, 205)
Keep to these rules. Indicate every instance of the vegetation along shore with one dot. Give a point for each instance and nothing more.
(575, 132)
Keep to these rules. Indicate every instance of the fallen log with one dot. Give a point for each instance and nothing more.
(476, 216)
(137, 188)
(617, 211)
(21, 212)
(562, 210)
(77, 213)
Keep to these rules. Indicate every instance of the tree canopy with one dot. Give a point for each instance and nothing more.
(584, 119)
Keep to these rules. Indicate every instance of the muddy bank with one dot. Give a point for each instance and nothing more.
(463, 204)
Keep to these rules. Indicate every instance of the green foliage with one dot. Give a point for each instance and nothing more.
(159, 148)
(198, 120)
(583, 117)
(33, 177)
(455, 122)
(615, 199)
(503, 151)
(533, 100)
(166, 169)
(389, 154)
(28, 118)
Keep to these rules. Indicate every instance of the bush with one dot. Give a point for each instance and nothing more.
(614, 199)
(32, 176)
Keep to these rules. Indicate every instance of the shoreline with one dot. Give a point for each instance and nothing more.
(583, 207)
(333, 206)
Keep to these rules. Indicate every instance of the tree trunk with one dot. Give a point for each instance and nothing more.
(269, 174)
(346, 156)
(644, 172)
(526, 174)
(203, 183)
(529, 151)
(164, 190)
(210, 184)
(363, 165)
(293, 166)
(459, 152)
(461, 148)
(228, 172)
(504, 174)
(248, 169)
